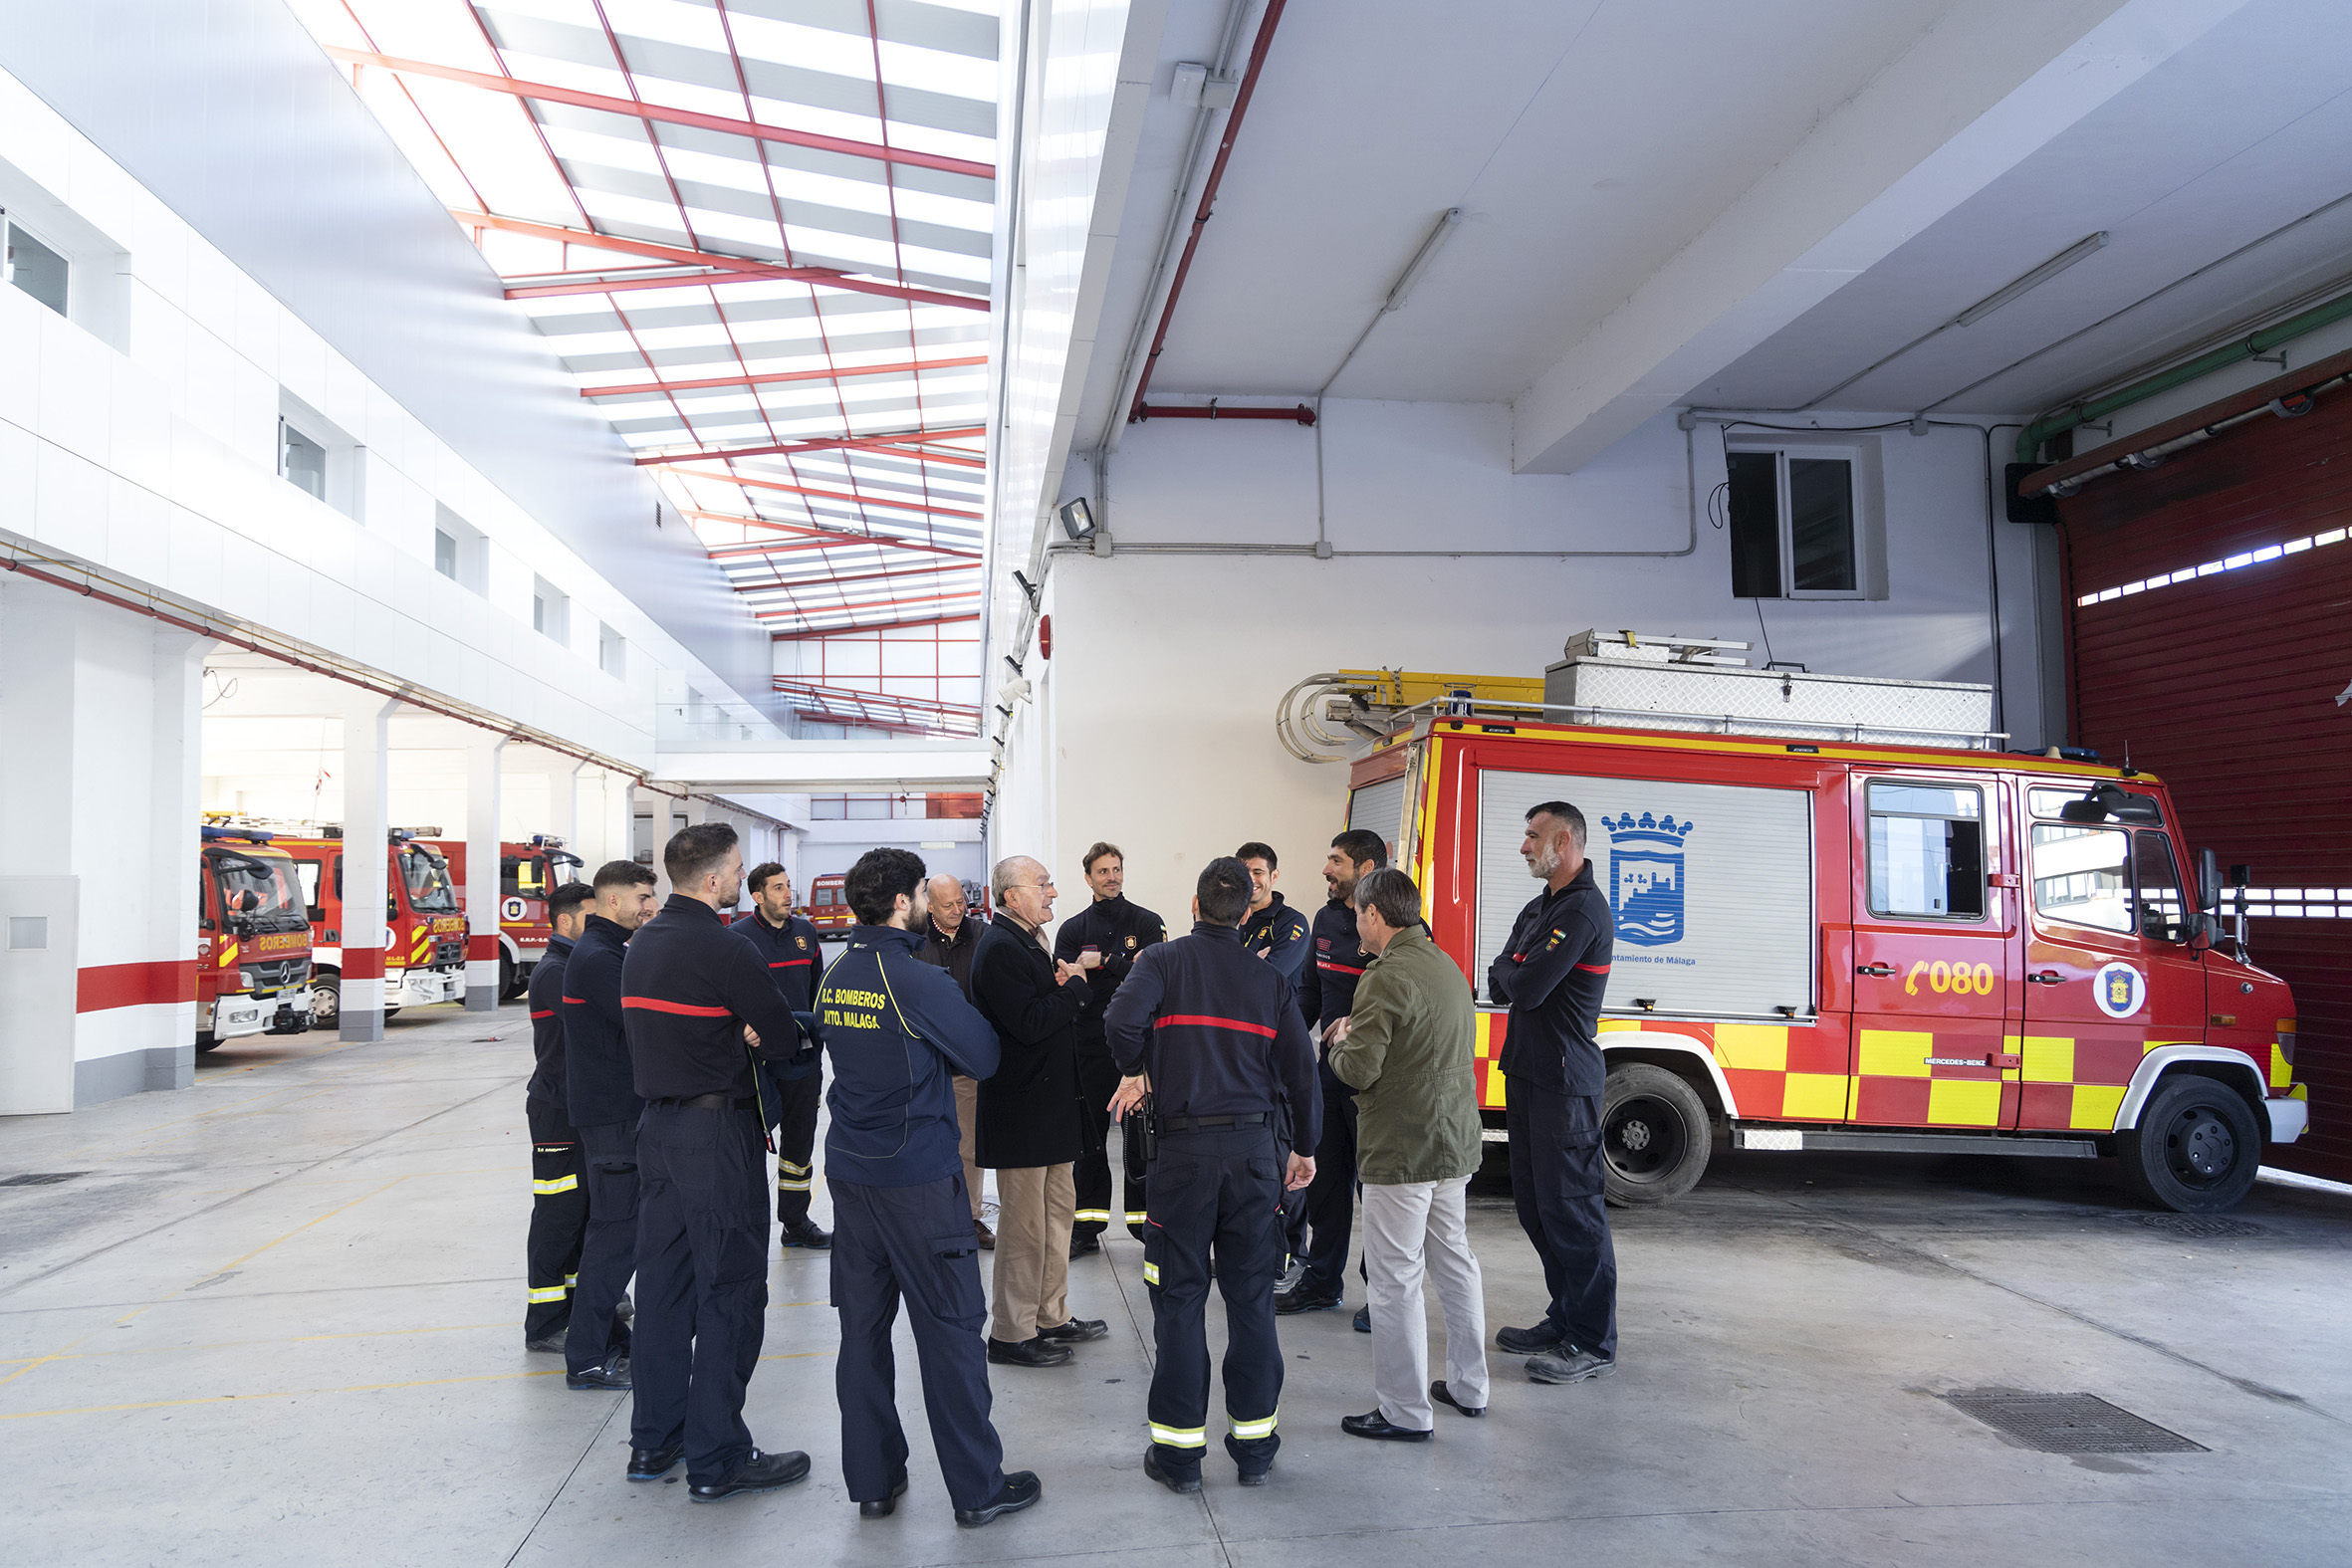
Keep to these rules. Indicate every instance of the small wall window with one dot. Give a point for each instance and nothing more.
(318, 458)
(34, 267)
(1927, 851)
(551, 611)
(612, 652)
(302, 462)
(1794, 525)
(460, 552)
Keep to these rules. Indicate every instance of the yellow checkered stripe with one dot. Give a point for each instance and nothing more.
(422, 947)
(1246, 1429)
(1184, 1437)
(791, 1177)
(560, 1184)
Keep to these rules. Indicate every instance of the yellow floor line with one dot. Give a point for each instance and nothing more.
(230, 1399)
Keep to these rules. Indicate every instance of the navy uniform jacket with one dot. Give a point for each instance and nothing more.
(1327, 989)
(1553, 973)
(545, 1001)
(790, 953)
(1281, 931)
(599, 1087)
(896, 1028)
(687, 988)
(1117, 930)
(1219, 1032)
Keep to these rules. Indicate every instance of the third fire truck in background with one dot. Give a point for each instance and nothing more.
(253, 940)
(828, 902)
(526, 874)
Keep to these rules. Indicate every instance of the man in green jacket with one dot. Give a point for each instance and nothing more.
(1406, 1047)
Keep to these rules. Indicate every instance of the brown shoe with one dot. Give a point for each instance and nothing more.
(983, 1235)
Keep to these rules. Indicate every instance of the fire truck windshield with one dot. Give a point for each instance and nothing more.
(427, 878)
(272, 888)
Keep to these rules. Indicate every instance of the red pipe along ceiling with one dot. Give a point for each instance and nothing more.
(1200, 220)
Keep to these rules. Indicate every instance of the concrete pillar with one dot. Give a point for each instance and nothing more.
(366, 781)
(178, 803)
(482, 882)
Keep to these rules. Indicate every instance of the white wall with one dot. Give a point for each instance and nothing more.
(831, 846)
(1153, 725)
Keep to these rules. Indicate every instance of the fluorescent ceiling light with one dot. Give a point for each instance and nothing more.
(2032, 280)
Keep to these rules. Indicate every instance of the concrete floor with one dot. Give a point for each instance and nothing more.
(278, 1321)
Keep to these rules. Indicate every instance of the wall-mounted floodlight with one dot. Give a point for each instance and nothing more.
(1027, 587)
(1077, 520)
(2032, 280)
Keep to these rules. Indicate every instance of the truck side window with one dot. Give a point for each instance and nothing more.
(509, 876)
(2082, 875)
(2160, 905)
(1927, 850)
(307, 870)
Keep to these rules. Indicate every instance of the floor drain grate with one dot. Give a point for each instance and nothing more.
(2068, 1422)
(2201, 1225)
(40, 1178)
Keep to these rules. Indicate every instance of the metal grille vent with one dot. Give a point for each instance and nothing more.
(2068, 1422)
(2201, 1225)
(40, 1178)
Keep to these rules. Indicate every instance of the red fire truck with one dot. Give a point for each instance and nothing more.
(1830, 938)
(424, 920)
(253, 944)
(526, 874)
(827, 908)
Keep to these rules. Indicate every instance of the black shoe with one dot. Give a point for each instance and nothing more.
(1168, 1478)
(1254, 1478)
(1076, 1331)
(1529, 1341)
(760, 1473)
(1021, 1490)
(882, 1508)
(1376, 1426)
(1038, 1352)
(1438, 1392)
(653, 1463)
(611, 1376)
(805, 1232)
(1080, 1245)
(1363, 1319)
(1300, 1299)
(1567, 1364)
(546, 1344)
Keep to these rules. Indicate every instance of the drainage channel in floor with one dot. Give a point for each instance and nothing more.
(2068, 1422)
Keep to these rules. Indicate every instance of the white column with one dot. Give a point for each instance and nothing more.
(178, 803)
(482, 871)
(366, 780)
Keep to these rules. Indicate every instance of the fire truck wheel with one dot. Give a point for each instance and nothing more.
(2197, 1148)
(1655, 1135)
(508, 990)
(325, 997)
(206, 1042)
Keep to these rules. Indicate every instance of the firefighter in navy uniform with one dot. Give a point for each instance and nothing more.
(1214, 1035)
(899, 1030)
(1551, 973)
(788, 945)
(559, 1198)
(1272, 929)
(1115, 932)
(1326, 991)
(691, 989)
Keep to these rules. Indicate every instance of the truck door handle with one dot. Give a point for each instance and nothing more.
(2047, 977)
(1880, 969)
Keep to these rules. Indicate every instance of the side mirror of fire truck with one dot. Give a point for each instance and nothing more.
(246, 902)
(2209, 879)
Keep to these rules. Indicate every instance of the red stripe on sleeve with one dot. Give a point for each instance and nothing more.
(1594, 969)
(549, 1013)
(792, 963)
(1206, 1021)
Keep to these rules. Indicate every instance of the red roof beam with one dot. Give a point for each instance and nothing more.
(832, 535)
(785, 584)
(771, 378)
(853, 628)
(825, 495)
(723, 454)
(925, 598)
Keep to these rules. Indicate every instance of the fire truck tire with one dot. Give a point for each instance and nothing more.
(207, 1042)
(325, 998)
(2197, 1148)
(507, 990)
(1655, 1135)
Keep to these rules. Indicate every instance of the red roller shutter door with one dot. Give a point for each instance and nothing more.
(2225, 685)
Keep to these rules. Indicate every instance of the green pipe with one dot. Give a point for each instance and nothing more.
(2031, 438)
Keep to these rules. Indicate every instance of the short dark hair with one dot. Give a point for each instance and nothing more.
(694, 853)
(572, 895)
(1254, 850)
(1224, 890)
(760, 875)
(1392, 893)
(874, 883)
(1561, 812)
(1363, 844)
(622, 873)
(1102, 847)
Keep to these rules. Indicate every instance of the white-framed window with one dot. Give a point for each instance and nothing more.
(317, 458)
(612, 652)
(551, 611)
(460, 552)
(1796, 522)
(38, 268)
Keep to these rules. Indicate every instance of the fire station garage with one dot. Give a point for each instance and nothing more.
(1838, 511)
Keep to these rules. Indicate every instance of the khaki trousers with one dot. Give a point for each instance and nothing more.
(1034, 1205)
(1412, 1229)
(967, 1119)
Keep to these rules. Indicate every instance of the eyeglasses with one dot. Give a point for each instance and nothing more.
(1048, 883)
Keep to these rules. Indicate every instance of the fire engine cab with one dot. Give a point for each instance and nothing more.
(253, 944)
(828, 902)
(1844, 920)
(424, 920)
(526, 874)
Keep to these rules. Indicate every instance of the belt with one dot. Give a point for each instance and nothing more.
(712, 1102)
(1184, 1124)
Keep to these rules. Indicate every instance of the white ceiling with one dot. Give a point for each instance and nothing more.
(1589, 142)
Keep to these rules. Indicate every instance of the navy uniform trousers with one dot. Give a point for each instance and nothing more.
(1558, 1182)
(1215, 1189)
(607, 1247)
(1091, 1180)
(794, 1102)
(702, 1283)
(559, 1223)
(913, 1243)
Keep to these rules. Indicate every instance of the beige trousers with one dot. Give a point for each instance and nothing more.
(1412, 1230)
(1034, 1205)
(967, 1119)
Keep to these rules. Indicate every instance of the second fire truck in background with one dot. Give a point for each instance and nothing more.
(526, 874)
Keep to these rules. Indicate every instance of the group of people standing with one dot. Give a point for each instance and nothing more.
(1264, 1068)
